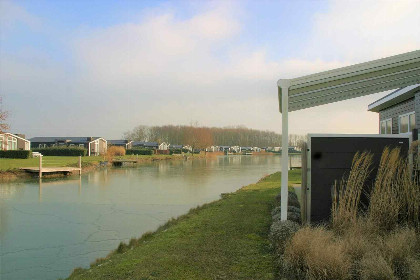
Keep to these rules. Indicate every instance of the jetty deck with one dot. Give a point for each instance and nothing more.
(50, 169)
(120, 162)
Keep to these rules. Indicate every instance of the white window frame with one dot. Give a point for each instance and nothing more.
(403, 115)
(384, 121)
(11, 143)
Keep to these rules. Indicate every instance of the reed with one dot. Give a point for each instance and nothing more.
(346, 194)
(395, 196)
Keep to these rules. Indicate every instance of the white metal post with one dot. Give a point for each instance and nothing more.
(284, 84)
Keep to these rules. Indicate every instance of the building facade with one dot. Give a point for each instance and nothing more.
(13, 142)
(399, 111)
(94, 145)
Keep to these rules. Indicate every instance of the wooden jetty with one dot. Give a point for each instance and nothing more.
(120, 162)
(53, 170)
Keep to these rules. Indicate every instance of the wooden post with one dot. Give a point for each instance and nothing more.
(80, 165)
(40, 166)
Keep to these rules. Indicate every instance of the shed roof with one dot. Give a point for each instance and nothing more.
(145, 144)
(14, 135)
(175, 146)
(352, 81)
(54, 139)
(118, 142)
(394, 98)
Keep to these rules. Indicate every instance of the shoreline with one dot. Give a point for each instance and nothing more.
(227, 237)
(16, 174)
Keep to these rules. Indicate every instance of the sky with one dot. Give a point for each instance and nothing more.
(100, 68)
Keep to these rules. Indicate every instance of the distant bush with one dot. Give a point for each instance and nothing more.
(61, 151)
(113, 151)
(139, 152)
(175, 151)
(15, 154)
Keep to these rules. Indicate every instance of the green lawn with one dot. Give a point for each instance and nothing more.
(10, 164)
(13, 164)
(225, 239)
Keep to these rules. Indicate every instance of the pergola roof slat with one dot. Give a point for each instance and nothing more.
(356, 89)
(354, 81)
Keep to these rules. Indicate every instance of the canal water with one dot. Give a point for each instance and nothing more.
(48, 228)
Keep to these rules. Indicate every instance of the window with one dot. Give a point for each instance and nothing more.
(1, 142)
(386, 126)
(412, 121)
(11, 143)
(406, 122)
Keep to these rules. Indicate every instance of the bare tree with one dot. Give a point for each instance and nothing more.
(198, 137)
(226, 136)
(3, 118)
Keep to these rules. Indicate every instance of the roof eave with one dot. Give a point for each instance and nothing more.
(394, 98)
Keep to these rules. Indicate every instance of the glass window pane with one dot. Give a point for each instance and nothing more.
(383, 127)
(412, 122)
(389, 127)
(404, 124)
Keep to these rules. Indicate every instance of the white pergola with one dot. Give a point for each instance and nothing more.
(341, 84)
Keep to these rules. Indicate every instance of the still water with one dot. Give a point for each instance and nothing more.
(48, 228)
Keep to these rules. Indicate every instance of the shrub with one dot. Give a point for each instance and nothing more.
(291, 201)
(61, 151)
(277, 210)
(414, 269)
(114, 151)
(316, 253)
(280, 234)
(399, 247)
(139, 152)
(15, 154)
(175, 151)
(293, 214)
(374, 267)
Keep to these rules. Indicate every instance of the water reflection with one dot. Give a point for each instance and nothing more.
(50, 226)
(45, 183)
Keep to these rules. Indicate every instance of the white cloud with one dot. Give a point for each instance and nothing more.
(163, 69)
(365, 30)
(12, 14)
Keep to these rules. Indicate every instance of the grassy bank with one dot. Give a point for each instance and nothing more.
(9, 164)
(225, 239)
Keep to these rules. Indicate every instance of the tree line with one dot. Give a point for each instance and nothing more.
(202, 137)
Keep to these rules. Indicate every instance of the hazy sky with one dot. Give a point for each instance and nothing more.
(99, 68)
